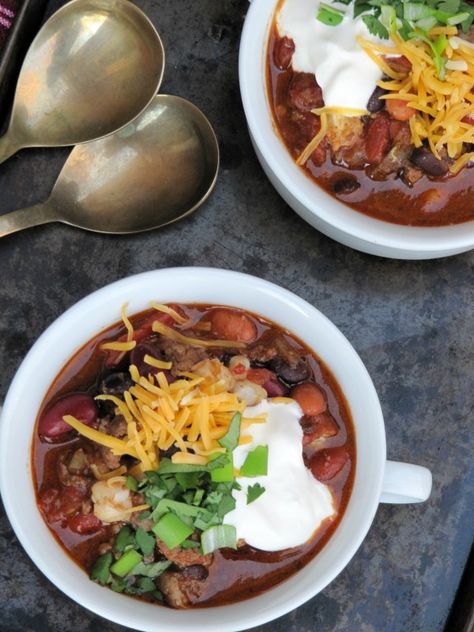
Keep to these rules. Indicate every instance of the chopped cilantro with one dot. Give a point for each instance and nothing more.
(145, 542)
(254, 492)
(101, 569)
(231, 439)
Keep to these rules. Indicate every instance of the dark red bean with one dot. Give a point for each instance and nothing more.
(275, 388)
(137, 356)
(425, 160)
(144, 330)
(79, 405)
(325, 464)
(304, 92)
(84, 524)
(377, 141)
(283, 52)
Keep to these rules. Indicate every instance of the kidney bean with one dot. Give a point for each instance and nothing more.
(275, 388)
(310, 397)
(283, 52)
(137, 355)
(79, 405)
(316, 427)
(326, 463)
(423, 158)
(399, 109)
(399, 64)
(375, 103)
(232, 325)
(84, 524)
(377, 141)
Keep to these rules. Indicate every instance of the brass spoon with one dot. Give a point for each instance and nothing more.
(93, 67)
(155, 171)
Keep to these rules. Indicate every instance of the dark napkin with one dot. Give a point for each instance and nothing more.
(8, 12)
(19, 23)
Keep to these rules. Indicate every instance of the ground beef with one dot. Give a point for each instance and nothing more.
(184, 557)
(183, 357)
(180, 590)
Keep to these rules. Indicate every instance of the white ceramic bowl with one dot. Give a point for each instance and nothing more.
(317, 207)
(202, 285)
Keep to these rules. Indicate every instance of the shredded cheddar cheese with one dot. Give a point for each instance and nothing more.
(442, 107)
(192, 413)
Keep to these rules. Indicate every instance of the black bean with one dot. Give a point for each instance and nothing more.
(196, 572)
(375, 103)
(116, 384)
(423, 158)
(291, 373)
(346, 185)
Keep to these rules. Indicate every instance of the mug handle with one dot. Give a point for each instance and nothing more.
(405, 483)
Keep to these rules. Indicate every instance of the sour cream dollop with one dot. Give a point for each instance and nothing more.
(344, 71)
(294, 503)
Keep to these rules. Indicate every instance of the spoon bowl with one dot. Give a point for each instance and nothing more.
(156, 170)
(94, 66)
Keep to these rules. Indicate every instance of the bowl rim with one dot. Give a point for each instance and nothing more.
(101, 600)
(430, 240)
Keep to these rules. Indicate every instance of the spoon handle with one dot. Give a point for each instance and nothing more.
(8, 147)
(26, 218)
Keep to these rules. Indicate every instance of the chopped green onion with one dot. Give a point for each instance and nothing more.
(231, 439)
(329, 15)
(126, 563)
(388, 17)
(457, 19)
(224, 474)
(145, 542)
(256, 463)
(254, 492)
(219, 537)
(101, 569)
(172, 530)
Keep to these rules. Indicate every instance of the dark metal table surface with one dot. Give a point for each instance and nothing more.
(412, 323)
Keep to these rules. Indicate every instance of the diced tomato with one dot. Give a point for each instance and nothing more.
(399, 109)
(260, 376)
(58, 504)
(310, 397)
(232, 325)
(84, 524)
(325, 464)
(377, 141)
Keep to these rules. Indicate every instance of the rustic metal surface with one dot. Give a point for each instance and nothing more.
(412, 323)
